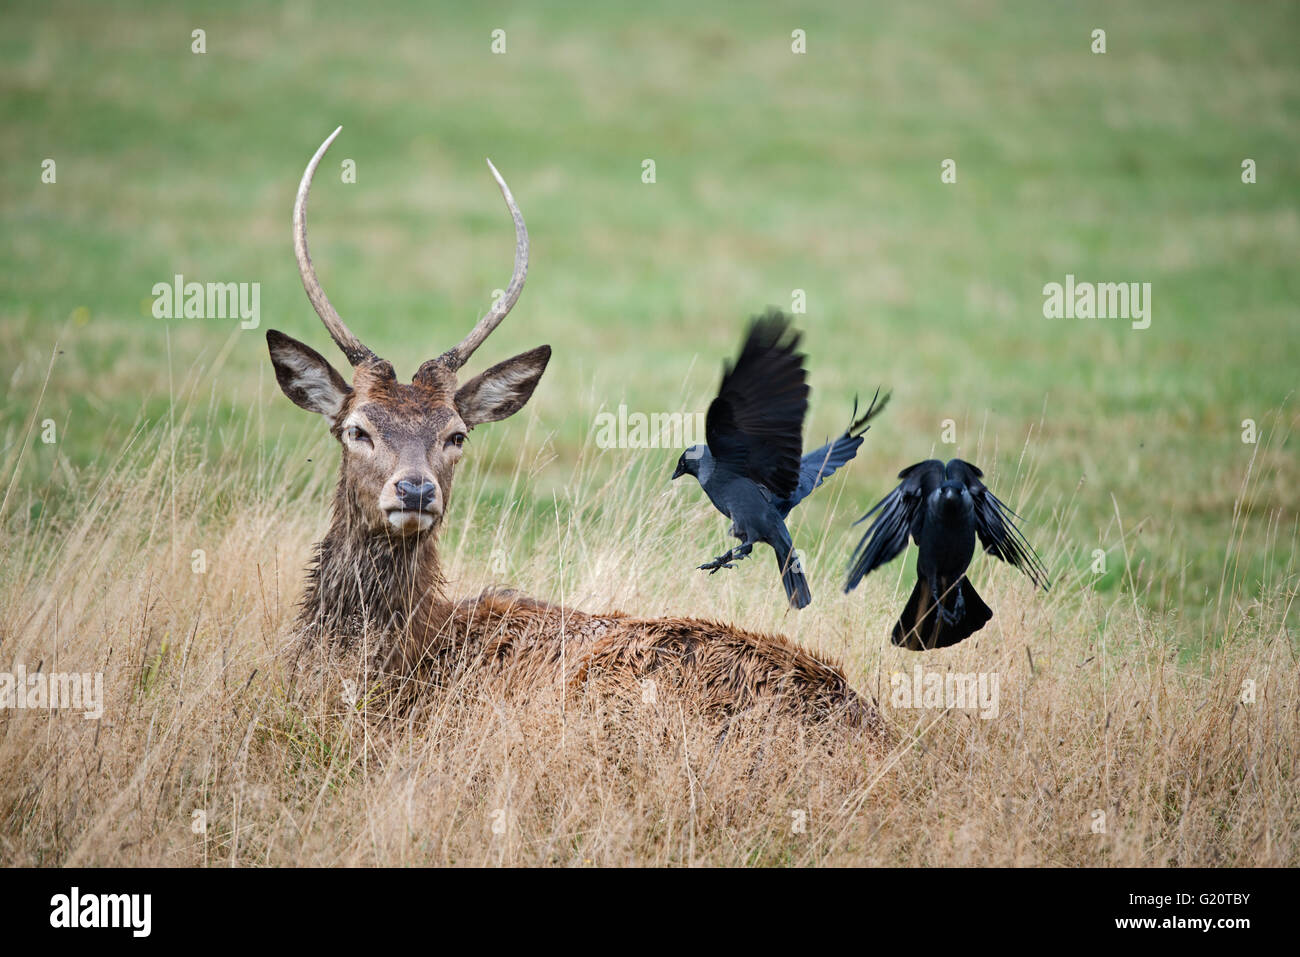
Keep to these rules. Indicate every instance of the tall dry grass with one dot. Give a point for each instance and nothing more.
(1112, 745)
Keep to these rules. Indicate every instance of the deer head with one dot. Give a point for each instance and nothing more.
(401, 442)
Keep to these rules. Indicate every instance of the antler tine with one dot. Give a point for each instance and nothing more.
(352, 347)
(492, 318)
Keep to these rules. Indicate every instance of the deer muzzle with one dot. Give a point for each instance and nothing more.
(418, 505)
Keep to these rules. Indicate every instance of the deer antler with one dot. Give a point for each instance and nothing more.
(455, 358)
(352, 347)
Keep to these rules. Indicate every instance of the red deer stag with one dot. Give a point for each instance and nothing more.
(374, 587)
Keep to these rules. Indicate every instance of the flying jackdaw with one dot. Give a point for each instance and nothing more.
(944, 508)
(751, 469)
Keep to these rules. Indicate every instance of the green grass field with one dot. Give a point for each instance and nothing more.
(775, 172)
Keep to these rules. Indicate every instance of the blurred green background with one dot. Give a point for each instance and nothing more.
(774, 172)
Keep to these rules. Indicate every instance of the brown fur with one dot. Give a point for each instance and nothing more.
(507, 644)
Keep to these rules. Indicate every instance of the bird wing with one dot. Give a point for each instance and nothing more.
(898, 511)
(820, 464)
(754, 427)
(994, 526)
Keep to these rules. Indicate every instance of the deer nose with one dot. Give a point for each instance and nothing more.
(417, 494)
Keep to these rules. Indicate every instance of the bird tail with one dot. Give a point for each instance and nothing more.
(922, 628)
(792, 576)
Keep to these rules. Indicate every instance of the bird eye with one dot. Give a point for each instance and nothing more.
(457, 439)
(354, 433)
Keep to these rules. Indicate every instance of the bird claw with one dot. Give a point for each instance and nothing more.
(713, 566)
(957, 613)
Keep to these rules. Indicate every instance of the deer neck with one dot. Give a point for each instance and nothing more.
(360, 581)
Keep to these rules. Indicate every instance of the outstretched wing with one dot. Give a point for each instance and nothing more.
(820, 464)
(754, 427)
(898, 511)
(994, 526)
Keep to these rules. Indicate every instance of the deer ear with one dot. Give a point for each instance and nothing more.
(501, 391)
(305, 376)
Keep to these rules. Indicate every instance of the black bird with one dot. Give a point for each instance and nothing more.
(754, 432)
(944, 508)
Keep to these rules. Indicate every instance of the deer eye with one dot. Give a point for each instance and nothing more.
(456, 439)
(354, 433)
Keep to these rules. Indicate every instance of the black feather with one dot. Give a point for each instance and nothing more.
(754, 427)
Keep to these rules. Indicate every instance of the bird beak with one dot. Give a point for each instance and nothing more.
(678, 472)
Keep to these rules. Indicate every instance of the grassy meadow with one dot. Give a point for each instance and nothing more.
(128, 442)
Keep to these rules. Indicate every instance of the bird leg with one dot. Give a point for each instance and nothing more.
(722, 561)
(958, 611)
(959, 606)
(726, 559)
